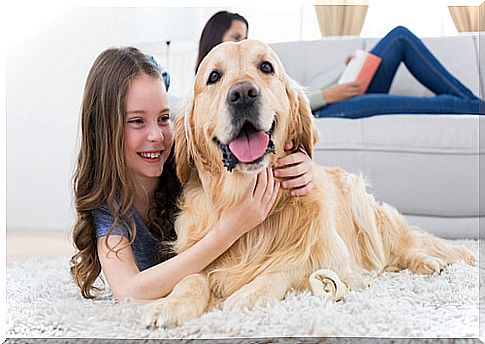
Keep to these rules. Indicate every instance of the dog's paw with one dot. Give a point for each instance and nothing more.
(244, 299)
(428, 265)
(168, 313)
(355, 281)
(392, 268)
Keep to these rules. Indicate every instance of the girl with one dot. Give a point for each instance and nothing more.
(126, 189)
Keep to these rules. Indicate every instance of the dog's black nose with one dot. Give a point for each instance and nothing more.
(243, 93)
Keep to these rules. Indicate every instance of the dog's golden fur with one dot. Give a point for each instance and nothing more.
(338, 225)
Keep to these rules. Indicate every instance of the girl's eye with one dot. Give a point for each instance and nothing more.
(214, 77)
(138, 121)
(266, 67)
(164, 119)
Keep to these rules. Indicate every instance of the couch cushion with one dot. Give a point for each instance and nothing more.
(315, 63)
(450, 51)
(293, 56)
(421, 164)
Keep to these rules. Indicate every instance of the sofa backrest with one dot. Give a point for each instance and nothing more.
(315, 63)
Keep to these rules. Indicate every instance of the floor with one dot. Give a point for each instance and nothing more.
(27, 244)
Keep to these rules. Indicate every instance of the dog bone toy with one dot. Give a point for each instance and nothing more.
(326, 281)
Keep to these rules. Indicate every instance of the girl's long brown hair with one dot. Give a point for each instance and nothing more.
(101, 176)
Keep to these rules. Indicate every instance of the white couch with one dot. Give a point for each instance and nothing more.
(427, 166)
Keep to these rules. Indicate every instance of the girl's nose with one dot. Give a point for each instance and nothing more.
(156, 134)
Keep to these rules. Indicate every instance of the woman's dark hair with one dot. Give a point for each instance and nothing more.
(214, 30)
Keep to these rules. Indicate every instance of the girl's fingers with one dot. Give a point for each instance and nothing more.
(269, 186)
(291, 159)
(260, 186)
(302, 191)
(292, 171)
(252, 187)
(288, 145)
(298, 182)
(274, 194)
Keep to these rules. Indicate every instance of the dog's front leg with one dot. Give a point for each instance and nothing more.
(266, 287)
(188, 300)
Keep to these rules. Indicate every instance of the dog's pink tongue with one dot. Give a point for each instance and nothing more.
(250, 145)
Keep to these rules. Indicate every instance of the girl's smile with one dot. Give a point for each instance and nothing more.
(151, 157)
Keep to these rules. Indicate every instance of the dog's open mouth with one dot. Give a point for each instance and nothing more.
(248, 147)
(250, 144)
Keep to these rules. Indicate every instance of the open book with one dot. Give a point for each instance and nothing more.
(361, 68)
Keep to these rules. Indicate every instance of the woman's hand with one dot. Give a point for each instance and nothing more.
(297, 171)
(255, 206)
(348, 58)
(339, 92)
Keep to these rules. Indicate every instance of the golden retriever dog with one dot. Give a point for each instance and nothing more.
(244, 107)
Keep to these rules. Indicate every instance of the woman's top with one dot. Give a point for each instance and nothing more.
(317, 100)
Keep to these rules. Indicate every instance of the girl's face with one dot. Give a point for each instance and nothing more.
(148, 130)
(236, 32)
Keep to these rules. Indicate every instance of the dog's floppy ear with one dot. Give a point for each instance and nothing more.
(183, 156)
(303, 132)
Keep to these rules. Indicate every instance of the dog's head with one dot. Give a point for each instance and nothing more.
(244, 107)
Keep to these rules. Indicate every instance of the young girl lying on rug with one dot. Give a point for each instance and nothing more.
(126, 189)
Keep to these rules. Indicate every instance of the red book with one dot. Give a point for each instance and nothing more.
(361, 68)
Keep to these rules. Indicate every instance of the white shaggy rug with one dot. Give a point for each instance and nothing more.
(43, 301)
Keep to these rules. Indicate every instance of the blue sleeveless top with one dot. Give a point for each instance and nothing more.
(145, 246)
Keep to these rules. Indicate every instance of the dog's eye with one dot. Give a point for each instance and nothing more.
(214, 77)
(266, 67)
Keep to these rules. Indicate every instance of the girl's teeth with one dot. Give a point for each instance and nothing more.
(150, 155)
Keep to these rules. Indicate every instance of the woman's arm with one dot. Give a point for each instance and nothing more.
(332, 92)
(340, 92)
(126, 280)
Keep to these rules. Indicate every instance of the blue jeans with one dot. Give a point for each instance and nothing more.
(401, 45)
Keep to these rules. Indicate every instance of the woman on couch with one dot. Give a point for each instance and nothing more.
(343, 100)
(399, 45)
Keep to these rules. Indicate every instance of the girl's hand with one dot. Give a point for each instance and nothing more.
(339, 92)
(297, 170)
(255, 206)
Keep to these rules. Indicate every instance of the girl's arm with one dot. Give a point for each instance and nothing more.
(126, 280)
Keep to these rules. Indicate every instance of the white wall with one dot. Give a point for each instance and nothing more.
(46, 72)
